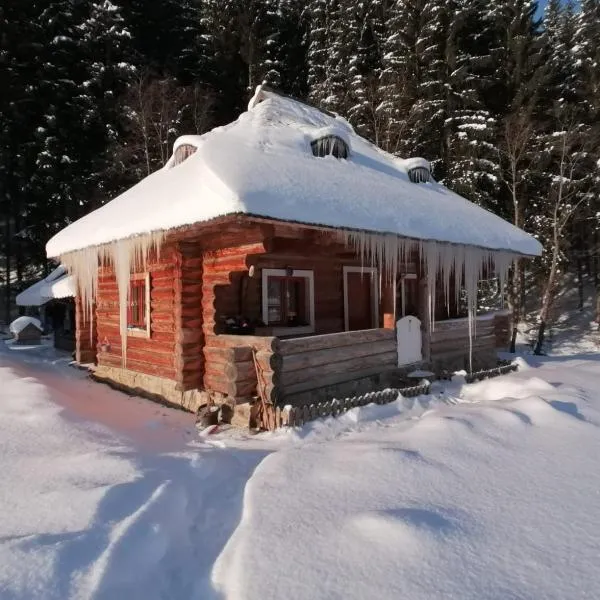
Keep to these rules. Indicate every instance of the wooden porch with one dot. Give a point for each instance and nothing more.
(315, 368)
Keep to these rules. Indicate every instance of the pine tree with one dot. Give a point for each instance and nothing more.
(167, 36)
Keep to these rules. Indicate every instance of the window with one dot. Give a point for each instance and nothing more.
(182, 152)
(330, 145)
(288, 299)
(138, 306)
(419, 174)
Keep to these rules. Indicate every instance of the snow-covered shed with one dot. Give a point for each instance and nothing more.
(54, 297)
(288, 226)
(26, 330)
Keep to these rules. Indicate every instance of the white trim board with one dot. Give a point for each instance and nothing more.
(374, 294)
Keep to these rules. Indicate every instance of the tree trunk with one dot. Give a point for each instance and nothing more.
(580, 282)
(548, 296)
(539, 344)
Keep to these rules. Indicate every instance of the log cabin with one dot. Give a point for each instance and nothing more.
(286, 257)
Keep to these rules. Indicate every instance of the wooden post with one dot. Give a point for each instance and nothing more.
(388, 302)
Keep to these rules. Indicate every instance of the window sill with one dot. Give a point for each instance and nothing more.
(137, 332)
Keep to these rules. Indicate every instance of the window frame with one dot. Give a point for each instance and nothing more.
(140, 331)
(310, 299)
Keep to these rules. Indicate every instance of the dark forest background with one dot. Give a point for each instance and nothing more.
(505, 105)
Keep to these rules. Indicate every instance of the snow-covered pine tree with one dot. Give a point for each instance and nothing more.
(20, 38)
(80, 81)
(362, 32)
(292, 47)
(471, 166)
(167, 37)
(328, 55)
(586, 54)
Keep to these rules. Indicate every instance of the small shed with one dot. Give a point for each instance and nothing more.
(26, 330)
(54, 296)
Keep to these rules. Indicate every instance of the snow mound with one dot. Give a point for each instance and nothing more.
(21, 322)
(262, 165)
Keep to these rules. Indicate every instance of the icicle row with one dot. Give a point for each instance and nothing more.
(125, 256)
(467, 264)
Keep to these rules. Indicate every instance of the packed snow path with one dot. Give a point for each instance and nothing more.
(488, 491)
(106, 496)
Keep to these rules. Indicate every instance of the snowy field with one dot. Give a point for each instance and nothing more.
(483, 491)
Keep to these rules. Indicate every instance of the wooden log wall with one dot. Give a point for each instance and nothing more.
(187, 311)
(451, 338)
(154, 355)
(231, 370)
(318, 361)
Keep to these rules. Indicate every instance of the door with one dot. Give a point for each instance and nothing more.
(360, 298)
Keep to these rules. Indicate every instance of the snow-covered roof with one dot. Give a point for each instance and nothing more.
(262, 165)
(58, 284)
(21, 323)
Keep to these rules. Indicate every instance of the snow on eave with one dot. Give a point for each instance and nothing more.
(55, 286)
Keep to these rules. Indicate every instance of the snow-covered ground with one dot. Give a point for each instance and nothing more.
(483, 491)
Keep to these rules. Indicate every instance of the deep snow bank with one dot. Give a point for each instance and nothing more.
(494, 499)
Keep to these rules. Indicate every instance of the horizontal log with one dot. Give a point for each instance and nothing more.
(160, 327)
(229, 388)
(189, 335)
(304, 360)
(334, 340)
(162, 317)
(334, 379)
(226, 264)
(484, 342)
(193, 363)
(162, 295)
(192, 312)
(246, 249)
(384, 360)
(254, 341)
(192, 289)
(139, 367)
(135, 354)
(227, 355)
(240, 371)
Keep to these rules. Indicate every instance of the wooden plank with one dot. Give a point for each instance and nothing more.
(334, 340)
(304, 360)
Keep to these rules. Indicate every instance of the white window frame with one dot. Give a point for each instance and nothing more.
(374, 294)
(143, 332)
(310, 277)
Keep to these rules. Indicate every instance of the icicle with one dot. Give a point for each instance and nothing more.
(124, 255)
(467, 264)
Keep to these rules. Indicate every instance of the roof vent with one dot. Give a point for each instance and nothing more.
(330, 145)
(182, 152)
(418, 169)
